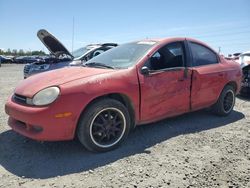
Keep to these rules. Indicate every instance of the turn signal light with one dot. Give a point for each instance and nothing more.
(62, 115)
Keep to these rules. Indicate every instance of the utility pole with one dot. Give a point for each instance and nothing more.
(73, 33)
(219, 49)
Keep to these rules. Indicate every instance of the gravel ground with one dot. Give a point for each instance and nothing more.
(193, 150)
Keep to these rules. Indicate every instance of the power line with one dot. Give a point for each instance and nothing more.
(224, 34)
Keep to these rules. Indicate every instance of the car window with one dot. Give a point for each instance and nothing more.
(202, 55)
(79, 52)
(98, 52)
(169, 56)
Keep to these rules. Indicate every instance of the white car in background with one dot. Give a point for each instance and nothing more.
(244, 61)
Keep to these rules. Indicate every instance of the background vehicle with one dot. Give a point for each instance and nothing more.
(5, 59)
(134, 83)
(244, 61)
(25, 59)
(234, 56)
(60, 56)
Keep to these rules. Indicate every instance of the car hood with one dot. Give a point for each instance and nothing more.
(52, 44)
(30, 86)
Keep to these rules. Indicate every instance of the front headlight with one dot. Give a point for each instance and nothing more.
(41, 67)
(44, 97)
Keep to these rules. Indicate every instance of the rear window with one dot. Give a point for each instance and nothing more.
(202, 55)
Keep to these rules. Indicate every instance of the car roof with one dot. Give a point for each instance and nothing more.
(246, 53)
(172, 39)
(159, 40)
(164, 40)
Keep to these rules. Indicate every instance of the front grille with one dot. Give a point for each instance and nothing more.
(24, 126)
(26, 69)
(21, 124)
(19, 99)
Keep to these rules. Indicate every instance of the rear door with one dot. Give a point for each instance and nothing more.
(207, 77)
(165, 91)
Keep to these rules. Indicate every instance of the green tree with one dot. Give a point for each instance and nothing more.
(38, 52)
(21, 52)
(14, 52)
(8, 52)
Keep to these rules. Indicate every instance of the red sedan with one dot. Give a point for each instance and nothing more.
(135, 83)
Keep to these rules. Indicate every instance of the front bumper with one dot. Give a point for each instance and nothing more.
(44, 123)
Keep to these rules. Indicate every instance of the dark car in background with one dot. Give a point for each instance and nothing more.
(5, 59)
(25, 59)
(60, 57)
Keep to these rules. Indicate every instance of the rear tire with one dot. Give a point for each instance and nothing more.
(104, 125)
(226, 101)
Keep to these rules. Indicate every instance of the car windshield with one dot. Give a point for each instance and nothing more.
(123, 56)
(79, 52)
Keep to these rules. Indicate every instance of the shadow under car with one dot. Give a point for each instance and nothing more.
(31, 159)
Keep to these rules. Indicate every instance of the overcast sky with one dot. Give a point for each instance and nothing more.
(220, 23)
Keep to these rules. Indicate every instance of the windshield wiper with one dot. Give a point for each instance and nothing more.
(95, 64)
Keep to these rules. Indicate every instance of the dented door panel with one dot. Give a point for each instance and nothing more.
(165, 94)
(207, 83)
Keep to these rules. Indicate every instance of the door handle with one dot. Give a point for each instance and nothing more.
(221, 74)
(181, 79)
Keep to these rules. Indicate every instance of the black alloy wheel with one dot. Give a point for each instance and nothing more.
(104, 125)
(107, 127)
(228, 101)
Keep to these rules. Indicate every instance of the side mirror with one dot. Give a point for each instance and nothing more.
(145, 70)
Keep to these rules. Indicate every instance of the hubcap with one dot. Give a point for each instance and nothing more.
(228, 101)
(107, 127)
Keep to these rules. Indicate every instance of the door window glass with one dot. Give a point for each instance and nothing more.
(169, 56)
(202, 55)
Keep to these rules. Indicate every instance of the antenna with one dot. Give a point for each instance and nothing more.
(73, 33)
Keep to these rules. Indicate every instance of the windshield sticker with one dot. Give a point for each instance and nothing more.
(147, 42)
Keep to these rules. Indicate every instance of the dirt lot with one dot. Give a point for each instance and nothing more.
(194, 150)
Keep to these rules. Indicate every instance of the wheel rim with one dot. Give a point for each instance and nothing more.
(228, 101)
(107, 127)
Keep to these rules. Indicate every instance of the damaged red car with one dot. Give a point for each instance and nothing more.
(133, 84)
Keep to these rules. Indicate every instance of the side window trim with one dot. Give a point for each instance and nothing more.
(191, 54)
(188, 54)
(160, 71)
(167, 70)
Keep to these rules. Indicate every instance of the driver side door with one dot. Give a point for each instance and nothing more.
(165, 91)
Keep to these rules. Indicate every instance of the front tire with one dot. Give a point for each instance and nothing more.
(104, 125)
(226, 101)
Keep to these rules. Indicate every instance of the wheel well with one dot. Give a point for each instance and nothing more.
(127, 103)
(121, 98)
(233, 84)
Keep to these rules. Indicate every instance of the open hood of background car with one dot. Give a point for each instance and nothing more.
(52, 44)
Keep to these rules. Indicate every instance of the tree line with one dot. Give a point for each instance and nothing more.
(21, 52)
